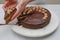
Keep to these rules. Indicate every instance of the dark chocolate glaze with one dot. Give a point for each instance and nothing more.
(35, 21)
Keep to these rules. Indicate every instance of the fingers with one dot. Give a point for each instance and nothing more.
(18, 12)
(15, 15)
(10, 0)
(4, 6)
(21, 7)
(8, 4)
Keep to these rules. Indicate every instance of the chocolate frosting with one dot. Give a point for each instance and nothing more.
(37, 19)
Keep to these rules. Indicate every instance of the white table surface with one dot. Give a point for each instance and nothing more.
(7, 34)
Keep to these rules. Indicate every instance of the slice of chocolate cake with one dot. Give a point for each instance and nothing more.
(9, 13)
(38, 17)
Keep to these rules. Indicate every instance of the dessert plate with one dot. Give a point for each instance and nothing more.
(51, 27)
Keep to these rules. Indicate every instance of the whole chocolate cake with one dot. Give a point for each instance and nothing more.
(34, 17)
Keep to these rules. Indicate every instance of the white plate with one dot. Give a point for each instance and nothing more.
(51, 27)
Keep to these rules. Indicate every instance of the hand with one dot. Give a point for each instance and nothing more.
(21, 6)
(9, 3)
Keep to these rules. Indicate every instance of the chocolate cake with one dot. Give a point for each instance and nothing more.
(9, 13)
(34, 17)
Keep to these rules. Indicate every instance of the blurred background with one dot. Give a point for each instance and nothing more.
(41, 2)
